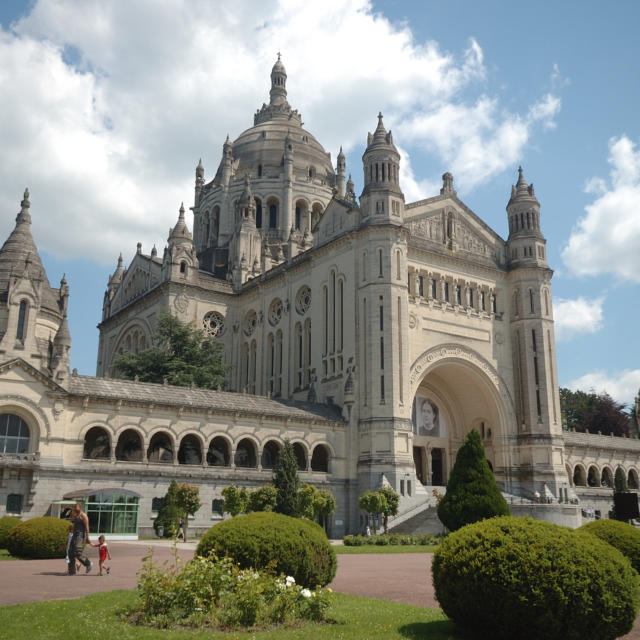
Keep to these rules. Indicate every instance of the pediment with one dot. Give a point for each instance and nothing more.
(448, 223)
(142, 274)
(21, 371)
(338, 218)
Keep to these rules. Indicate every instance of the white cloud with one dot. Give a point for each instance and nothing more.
(621, 386)
(107, 106)
(480, 140)
(606, 240)
(576, 317)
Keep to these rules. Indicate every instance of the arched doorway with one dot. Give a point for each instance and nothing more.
(454, 391)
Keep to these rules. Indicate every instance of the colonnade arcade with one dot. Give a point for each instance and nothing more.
(161, 447)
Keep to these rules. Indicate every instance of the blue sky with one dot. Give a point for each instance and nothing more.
(107, 107)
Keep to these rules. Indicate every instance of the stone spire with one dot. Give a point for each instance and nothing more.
(20, 251)
(180, 234)
(341, 172)
(278, 93)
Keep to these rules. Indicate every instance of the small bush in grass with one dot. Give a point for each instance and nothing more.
(39, 538)
(624, 537)
(519, 578)
(6, 524)
(212, 592)
(294, 546)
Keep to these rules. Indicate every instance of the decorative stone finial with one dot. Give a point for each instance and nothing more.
(139, 248)
(24, 216)
(154, 251)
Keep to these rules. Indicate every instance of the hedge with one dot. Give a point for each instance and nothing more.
(624, 537)
(390, 539)
(263, 540)
(520, 578)
(6, 524)
(39, 538)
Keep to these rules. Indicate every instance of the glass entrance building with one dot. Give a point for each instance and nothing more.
(112, 512)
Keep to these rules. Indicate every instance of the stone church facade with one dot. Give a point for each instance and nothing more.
(371, 332)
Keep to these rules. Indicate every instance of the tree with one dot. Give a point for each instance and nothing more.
(593, 413)
(235, 500)
(620, 481)
(619, 486)
(169, 513)
(263, 499)
(180, 353)
(187, 499)
(392, 501)
(472, 492)
(372, 502)
(286, 481)
(315, 504)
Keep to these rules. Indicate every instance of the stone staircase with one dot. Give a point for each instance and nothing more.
(425, 521)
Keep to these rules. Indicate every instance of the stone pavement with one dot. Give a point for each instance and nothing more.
(396, 577)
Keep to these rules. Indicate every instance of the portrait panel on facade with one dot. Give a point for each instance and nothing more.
(427, 418)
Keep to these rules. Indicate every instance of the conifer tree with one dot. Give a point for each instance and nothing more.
(286, 481)
(472, 492)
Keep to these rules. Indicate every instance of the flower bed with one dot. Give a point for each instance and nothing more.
(217, 593)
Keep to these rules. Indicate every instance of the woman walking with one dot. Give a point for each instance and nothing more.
(79, 538)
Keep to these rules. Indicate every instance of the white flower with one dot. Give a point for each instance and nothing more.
(290, 581)
(305, 593)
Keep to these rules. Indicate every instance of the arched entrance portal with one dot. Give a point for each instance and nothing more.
(455, 391)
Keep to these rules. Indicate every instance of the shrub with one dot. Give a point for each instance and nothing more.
(6, 524)
(472, 493)
(624, 537)
(168, 517)
(39, 538)
(521, 578)
(293, 546)
(208, 592)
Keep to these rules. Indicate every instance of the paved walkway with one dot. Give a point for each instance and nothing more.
(396, 577)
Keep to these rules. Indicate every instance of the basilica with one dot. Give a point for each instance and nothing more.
(371, 332)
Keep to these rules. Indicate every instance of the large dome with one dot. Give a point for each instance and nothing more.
(259, 151)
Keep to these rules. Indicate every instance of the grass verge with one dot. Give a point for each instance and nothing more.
(395, 548)
(97, 617)
(5, 555)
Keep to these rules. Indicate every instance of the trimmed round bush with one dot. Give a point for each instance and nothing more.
(39, 538)
(624, 537)
(6, 524)
(520, 578)
(294, 546)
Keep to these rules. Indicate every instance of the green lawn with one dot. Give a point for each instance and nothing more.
(95, 617)
(391, 548)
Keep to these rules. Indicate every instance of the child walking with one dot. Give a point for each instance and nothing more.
(103, 550)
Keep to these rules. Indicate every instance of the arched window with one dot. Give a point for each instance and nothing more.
(593, 479)
(160, 449)
(183, 267)
(579, 479)
(129, 447)
(297, 218)
(258, 213)
(270, 454)
(632, 479)
(273, 214)
(245, 454)
(190, 451)
(606, 478)
(14, 434)
(259, 171)
(546, 302)
(320, 459)
(216, 225)
(398, 265)
(22, 319)
(97, 445)
(301, 456)
(531, 306)
(218, 454)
